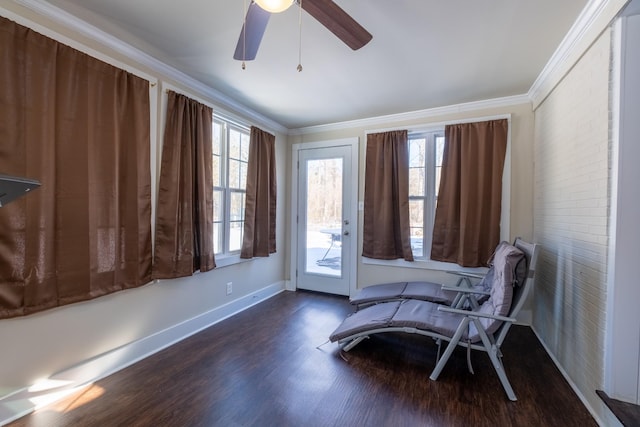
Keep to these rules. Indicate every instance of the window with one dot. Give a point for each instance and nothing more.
(425, 163)
(230, 158)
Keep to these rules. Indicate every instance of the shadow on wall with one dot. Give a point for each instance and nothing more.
(569, 290)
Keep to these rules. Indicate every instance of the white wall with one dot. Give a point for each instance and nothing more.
(571, 208)
(586, 209)
(44, 344)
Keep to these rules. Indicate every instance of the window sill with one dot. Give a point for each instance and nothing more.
(423, 264)
(227, 260)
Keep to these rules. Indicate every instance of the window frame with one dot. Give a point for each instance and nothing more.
(428, 264)
(225, 255)
(429, 192)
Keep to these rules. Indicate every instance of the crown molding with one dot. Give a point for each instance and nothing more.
(594, 18)
(374, 122)
(75, 24)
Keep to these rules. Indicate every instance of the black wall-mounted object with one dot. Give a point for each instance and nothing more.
(12, 187)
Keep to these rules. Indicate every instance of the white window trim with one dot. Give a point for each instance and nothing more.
(429, 198)
(226, 260)
(230, 257)
(505, 223)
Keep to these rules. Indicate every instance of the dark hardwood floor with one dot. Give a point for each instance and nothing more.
(262, 368)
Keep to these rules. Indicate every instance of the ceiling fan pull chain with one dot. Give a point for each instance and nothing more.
(300, 38)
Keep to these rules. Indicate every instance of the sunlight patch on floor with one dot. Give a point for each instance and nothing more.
(58, 393)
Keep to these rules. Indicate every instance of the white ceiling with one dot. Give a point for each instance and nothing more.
(424, 53)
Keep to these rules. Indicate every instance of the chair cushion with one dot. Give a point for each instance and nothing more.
(427, 291)
(375, 316)
(425, 315)
(422, 315)
(387, 291)
(505, 260)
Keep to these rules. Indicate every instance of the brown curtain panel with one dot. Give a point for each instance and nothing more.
(259, 238)
(386, 197)
(467, 223)
(81, 127)
(184, 216)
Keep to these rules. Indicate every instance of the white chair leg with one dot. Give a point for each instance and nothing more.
(348, 346)
(450, 347)
(492, 351)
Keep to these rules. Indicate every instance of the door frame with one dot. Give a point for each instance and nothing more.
(352, 269)
(622, 320)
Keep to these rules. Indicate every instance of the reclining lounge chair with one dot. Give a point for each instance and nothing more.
(483, 328)
(436, 292)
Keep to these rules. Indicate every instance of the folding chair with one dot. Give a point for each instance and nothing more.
(482, 328)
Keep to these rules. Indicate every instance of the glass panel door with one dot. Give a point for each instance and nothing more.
(324, 217)
(323, 225)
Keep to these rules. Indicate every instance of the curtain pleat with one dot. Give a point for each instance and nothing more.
(81, 127)
(184, 216)
(259, 237)
(467, 220)
(387, 232)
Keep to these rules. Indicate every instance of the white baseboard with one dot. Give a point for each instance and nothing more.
(22, 402)
(566, 376)
(289, 286)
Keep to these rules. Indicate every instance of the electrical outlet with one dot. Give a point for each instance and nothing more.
(229, 288)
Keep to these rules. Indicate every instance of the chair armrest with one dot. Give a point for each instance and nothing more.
(464, 290)
(466, 274)
(476, 314)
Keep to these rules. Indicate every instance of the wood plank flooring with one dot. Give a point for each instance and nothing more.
(262, 368)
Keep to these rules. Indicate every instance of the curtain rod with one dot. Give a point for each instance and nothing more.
(216, 114)
(439, 125)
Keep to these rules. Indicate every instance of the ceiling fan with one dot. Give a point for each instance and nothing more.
(326, 12)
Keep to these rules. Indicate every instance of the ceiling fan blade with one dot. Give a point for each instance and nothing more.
(338, 22)
(252, 31)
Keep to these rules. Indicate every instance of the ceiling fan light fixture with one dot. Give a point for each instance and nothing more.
(275, 6)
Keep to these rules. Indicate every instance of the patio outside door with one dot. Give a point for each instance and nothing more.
(324, 219)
